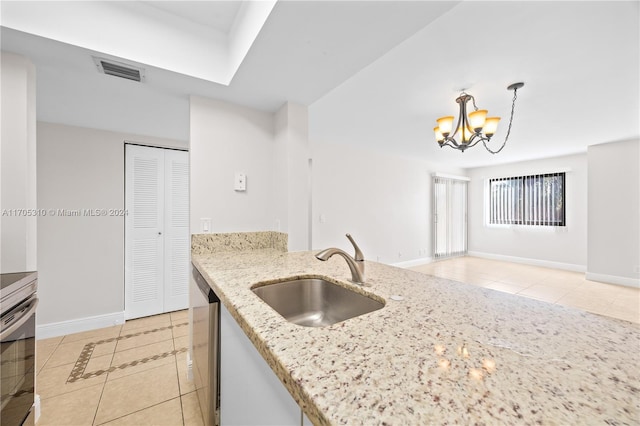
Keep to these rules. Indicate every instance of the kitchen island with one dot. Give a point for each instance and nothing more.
(444, 353)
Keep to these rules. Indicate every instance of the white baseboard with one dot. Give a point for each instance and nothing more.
(414, 262)
(527, 261)
(55, 329)
(613, 279)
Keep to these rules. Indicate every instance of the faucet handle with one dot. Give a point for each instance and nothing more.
(359, 256)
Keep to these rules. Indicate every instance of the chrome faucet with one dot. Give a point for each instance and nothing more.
(356, 263)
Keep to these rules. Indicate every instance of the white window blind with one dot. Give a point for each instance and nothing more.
(537, 200)
(449, 217)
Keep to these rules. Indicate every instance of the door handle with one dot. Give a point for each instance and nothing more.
(24, 317)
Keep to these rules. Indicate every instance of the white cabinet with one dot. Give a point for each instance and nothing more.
(250, 392)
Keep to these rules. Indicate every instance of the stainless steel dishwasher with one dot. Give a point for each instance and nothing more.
(205, 348)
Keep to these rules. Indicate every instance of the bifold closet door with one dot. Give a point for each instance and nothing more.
(156, 230)
(177, 243)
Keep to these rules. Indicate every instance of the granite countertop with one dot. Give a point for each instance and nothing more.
(524, 361)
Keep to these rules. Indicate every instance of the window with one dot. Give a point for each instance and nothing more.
(528, 200)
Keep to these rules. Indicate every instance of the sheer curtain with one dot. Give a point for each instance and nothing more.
(449, 216)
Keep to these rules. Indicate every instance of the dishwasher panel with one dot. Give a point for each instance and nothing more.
(206, 347)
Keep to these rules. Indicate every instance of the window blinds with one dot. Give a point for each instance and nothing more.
(528, 200)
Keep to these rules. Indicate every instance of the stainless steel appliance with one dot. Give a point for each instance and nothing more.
(18, 301)
(205, 350)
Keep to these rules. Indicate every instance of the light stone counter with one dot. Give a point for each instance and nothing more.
(400, 365)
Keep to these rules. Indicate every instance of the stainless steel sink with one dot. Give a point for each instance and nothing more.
(314, 302)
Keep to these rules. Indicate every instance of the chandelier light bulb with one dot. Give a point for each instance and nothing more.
(477, 118)
(445, 124)
(465, 133)
(490, 126)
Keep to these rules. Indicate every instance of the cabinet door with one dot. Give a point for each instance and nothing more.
(144, 224)
(250, 392)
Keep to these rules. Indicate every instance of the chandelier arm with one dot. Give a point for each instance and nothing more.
(475, 139)
(475, 107)
(450, 144)
(513, 107)
(462, 112)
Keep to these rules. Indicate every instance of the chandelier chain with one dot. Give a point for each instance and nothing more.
(513, 107)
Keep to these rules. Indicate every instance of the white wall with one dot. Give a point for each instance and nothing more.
(18, 250)
(227, 138)
(292, 174)
(383, 201)
(614, 213)
(563, 247)
(81, 258)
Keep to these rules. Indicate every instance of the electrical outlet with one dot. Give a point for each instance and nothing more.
(637, 269)
(399, 254)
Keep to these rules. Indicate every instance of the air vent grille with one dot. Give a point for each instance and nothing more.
(118, 69)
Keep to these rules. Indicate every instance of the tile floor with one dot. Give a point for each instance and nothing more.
(135, 374)
(131, 374)
(549, 285)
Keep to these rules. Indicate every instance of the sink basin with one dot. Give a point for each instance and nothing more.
(314, 302)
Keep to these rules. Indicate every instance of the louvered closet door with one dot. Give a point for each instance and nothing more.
(144, 225)
(176, 265)
(156, 231)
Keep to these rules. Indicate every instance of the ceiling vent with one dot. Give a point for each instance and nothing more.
(119, 69)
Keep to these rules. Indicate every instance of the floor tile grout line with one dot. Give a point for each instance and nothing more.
(48, 357)
(144, 408)
(179, 388)
(95, 414)
(137, 411)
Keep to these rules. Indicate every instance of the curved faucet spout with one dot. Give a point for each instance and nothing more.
(356, 265)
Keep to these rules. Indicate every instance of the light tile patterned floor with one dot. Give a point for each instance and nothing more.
(133, 374)
(136, 373)
(549, 285)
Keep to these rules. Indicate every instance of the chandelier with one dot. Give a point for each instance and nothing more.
(474, 127)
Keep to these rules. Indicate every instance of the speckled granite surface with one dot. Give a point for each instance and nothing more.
(528, 362)
(238, 241)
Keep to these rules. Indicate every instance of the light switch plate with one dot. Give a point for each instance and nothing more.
(205, 225)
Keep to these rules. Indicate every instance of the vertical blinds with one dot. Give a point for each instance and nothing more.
(450, 217)
(528, 200)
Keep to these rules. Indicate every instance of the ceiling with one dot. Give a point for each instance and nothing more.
(375, 74)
